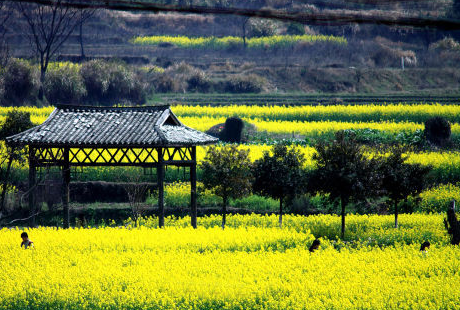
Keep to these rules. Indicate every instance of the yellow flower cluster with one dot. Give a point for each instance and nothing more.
(226, 42)
(366, 229)
(210, 268)
(440, 197)
(152, 68)
(55, 65)
(37, 115)
(348, 113)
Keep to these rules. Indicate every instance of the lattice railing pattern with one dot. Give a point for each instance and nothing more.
(49, 156)
(113, 156)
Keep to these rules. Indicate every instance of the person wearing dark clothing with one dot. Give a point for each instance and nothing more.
(314, 246)
(425, 246)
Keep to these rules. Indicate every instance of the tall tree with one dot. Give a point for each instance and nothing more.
(344, 172)
(243, 21)
(49, 27)
(84, 16)
(227, 172)
(15, 122)
(280, 175)
(400, 179)
(5, 15)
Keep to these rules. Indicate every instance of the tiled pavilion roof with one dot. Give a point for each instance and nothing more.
(85, 126)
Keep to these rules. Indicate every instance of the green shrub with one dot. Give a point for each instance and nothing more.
(251, 83)
(199, 82)
(96, 77)
(256, 203)
(437, 131)
(182, 77)
(233, 129)
(165, 84)
(18, 82)
(262, 27)
(295, 29)
(15, 122)
(64, 84)
(112, 82)
(310, 204)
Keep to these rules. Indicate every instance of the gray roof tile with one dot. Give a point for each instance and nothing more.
(80, 126)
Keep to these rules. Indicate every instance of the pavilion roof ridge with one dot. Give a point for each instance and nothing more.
(109, 108)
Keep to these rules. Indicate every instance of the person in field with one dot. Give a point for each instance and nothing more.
(314, 246)
(425, 246)
(26, 241)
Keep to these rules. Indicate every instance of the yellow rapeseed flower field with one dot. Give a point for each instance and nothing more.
(311, 128)
(304, 120)
(366, 229)
(245, 267)
(226, 42)
(393, 112)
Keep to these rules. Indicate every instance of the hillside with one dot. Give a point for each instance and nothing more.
(367, 63)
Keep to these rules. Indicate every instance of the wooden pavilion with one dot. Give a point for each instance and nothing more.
(82, 136)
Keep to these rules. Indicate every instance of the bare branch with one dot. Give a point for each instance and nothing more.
(23, 219)
(50, 26)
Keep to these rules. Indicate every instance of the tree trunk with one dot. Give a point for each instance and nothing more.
(396, 213)
(41, 91)
(81, 38)
(343, 202)
(161, 196)
(65, 189)
(453, 225)
(244, 34)
(5, 184)
(32, 186)
(224, 211)
(245, 21)
(281, 212)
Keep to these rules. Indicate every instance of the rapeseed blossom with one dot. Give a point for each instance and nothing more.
(245, 267)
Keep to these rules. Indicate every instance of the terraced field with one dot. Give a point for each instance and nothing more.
(303, 99)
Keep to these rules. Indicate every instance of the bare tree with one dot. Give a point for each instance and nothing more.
(14, 123)
(49, 27)
(136, 190)
(5, 14)
(244, 21)
(136, 195)
(84, 16)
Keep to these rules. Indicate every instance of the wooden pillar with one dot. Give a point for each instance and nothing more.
(160, 182)
(193, 209)
(65, 188)
(32, 185)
